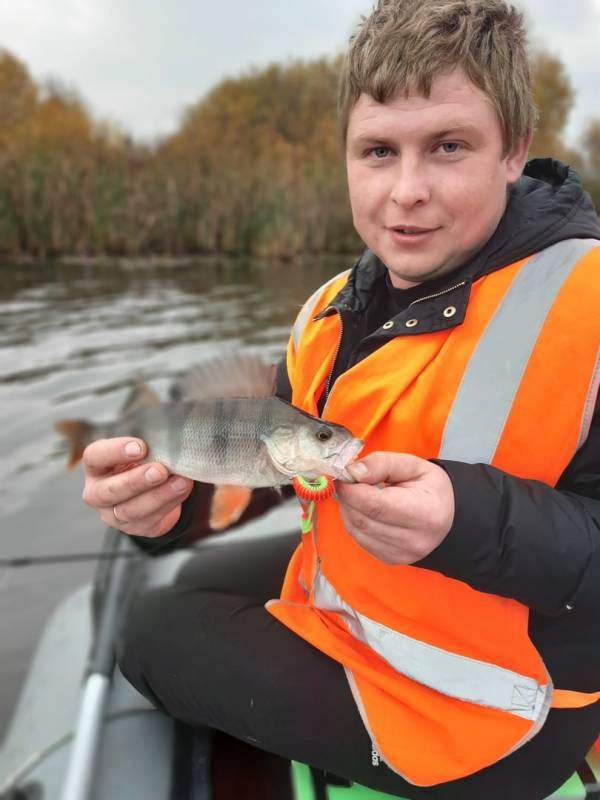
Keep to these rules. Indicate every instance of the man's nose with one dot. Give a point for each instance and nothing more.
(411, 185)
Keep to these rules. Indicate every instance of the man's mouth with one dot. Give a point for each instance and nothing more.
(411, 231)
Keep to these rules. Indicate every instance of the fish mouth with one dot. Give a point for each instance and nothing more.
(333, 465)
(337, 462)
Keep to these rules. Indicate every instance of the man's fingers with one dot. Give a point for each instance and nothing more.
(110, 490)
(151, 527)
(390, 505)
(104, 455)
(386, 467)
(388, 543)
(140, 499)
(150, 507)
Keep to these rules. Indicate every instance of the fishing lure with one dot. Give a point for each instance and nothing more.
(310, 492)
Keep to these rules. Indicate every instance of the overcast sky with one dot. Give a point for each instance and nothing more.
(138, 63)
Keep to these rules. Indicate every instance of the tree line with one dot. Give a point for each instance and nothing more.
(255, 168)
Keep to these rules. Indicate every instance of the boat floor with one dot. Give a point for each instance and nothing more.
(242, 772)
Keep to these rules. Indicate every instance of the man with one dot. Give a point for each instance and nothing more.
(437, 633)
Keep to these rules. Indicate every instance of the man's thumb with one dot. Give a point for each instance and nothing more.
(385, 467)
(358, 470)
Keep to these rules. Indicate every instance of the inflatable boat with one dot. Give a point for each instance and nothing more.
(81, 732)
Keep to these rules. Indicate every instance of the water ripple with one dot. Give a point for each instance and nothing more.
(73, 338)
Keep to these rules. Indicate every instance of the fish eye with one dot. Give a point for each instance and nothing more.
(324, 434)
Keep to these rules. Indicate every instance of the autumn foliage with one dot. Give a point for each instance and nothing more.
(256, 168)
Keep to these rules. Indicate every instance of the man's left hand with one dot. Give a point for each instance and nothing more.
(400, 510)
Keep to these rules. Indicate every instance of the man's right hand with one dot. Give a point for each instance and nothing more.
(139, 499)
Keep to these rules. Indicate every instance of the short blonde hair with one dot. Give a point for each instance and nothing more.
(404, 45)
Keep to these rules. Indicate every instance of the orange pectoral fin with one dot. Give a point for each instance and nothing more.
(227, 505)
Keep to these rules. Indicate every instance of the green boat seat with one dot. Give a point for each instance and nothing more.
(312, 784)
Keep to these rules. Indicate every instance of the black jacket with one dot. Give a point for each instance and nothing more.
(511, 537)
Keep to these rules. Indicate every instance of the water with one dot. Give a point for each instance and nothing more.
(72, 338)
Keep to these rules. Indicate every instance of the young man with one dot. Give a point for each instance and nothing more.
(437, 633)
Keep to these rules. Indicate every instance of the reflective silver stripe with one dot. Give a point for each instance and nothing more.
(308, 307)
(492, 377)
(448, 673)
(590, 404)
(303, 585)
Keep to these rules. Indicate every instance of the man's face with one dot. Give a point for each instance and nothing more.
(427, 177)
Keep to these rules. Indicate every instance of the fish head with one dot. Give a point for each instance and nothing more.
(312, 447)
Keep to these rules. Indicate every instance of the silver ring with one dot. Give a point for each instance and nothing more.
(116, 517)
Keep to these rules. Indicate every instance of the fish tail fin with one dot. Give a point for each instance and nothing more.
(227, 505)
(77, 433)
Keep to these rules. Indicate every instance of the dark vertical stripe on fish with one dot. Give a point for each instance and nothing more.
(225, 413)
(265, 423)
(175, 433)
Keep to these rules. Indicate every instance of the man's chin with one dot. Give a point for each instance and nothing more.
(405, 277)
(406, 272)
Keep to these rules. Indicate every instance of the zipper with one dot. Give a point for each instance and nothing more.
(337, 350)
(437, 294)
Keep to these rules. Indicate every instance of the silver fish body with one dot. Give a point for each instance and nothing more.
(246, 441)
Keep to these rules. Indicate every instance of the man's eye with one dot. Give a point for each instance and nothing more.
(380, 152)
(450, 147)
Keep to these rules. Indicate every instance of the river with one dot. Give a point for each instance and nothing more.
(72, 339)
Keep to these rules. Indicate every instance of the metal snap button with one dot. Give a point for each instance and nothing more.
(450, 311)
(569, 607)
(410, 323)
(388, 325)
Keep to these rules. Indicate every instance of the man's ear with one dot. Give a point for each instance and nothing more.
(517, 157)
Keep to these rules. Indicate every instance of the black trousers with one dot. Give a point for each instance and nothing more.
(207, 652)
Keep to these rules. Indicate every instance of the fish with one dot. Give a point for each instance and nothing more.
(223, 425)
(249, 442)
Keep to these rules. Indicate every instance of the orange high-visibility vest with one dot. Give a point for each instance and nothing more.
(445, 677)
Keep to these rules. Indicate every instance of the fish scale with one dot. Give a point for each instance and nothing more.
(223, 438)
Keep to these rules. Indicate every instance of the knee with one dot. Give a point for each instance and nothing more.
(144, 634)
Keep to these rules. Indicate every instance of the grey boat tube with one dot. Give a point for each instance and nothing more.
(82, 762)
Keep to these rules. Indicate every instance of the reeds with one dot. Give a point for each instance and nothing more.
(256, 168)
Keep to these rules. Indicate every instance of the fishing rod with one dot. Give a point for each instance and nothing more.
(64, 558)
(100, 555)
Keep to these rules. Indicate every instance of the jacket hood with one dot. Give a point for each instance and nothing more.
(546, 206)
